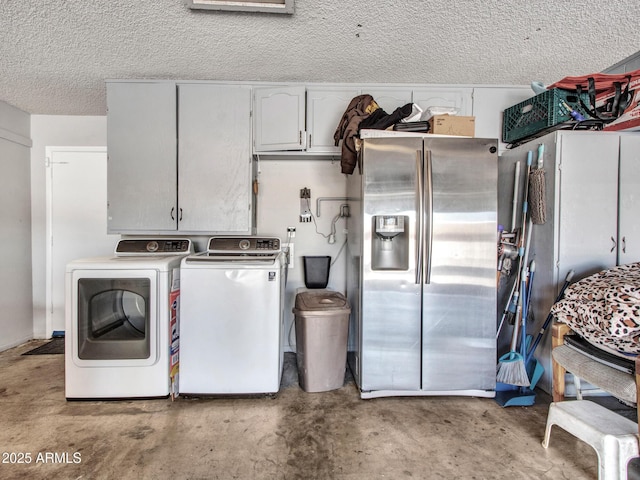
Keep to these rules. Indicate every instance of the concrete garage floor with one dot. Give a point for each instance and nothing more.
(297, 435)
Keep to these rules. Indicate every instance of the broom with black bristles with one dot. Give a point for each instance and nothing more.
(511, 366)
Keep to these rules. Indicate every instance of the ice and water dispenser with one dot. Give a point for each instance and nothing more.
(390, 244)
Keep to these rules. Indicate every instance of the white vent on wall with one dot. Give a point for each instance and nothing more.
(268, 6)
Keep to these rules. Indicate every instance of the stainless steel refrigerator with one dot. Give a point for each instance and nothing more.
(421, 274)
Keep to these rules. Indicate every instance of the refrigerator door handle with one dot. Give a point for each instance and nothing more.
(420, 214)
(428, 224)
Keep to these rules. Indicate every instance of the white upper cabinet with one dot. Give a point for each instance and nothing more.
(325, 108)
(460, 98)
(214, 158)
(390, 98)
(141, 150)
(279, 119)
(179, 158)
(298, 118)
(280, 112)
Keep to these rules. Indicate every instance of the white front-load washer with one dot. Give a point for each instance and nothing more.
(232, 317)
(121, 338)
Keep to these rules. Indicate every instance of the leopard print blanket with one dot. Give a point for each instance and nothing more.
(604, 308)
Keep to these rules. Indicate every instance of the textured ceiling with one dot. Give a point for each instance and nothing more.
(56, 54)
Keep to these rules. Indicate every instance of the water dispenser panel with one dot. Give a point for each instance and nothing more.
(390, 244)
(389, 225)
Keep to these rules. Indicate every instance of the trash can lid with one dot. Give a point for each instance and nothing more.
(320, 300)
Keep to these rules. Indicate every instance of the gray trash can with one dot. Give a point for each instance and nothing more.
(322, 326)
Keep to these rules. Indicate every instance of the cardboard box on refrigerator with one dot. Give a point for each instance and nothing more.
(464, 126)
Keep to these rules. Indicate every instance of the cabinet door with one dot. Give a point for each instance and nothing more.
(629, 201)
(214, 158)
(141, 147)
(279, 119)
(588, 209)
(461, 98)
(390, 98)
(325, 107)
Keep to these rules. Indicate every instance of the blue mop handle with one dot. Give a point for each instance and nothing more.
(525, 306)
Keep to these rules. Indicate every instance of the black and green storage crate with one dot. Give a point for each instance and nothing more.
(541, 112)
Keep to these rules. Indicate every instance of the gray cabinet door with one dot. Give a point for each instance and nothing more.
(629, 202)
(389, 98)
(280, 119)
(588, 203)
(141, 149)
(325, 107)
(214, 158)
(458, 97)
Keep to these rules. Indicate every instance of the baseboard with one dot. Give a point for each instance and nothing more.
(15, 343)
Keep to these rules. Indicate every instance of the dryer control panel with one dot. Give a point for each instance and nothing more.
(154, 246)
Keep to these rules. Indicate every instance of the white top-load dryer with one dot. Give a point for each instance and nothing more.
(232, 317)
(121, 338)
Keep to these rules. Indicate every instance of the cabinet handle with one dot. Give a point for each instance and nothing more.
(172, 210)
(180, 219)
(300, 137)
(309, 140)
(624, 244)
(614, 244)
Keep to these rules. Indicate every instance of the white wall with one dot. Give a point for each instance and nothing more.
(278, 204)
(52, 131)
(15, 234)
(279, 208)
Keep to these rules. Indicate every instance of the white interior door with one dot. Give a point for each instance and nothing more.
(76, 219)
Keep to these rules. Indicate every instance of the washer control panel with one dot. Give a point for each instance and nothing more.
(245, 245)
(154, 246)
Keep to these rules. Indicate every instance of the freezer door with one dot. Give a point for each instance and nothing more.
(390, 292)
(459, 291)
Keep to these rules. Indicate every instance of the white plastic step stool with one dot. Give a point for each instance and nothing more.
(614, 438)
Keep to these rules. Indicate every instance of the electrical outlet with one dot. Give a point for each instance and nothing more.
(291, 232)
